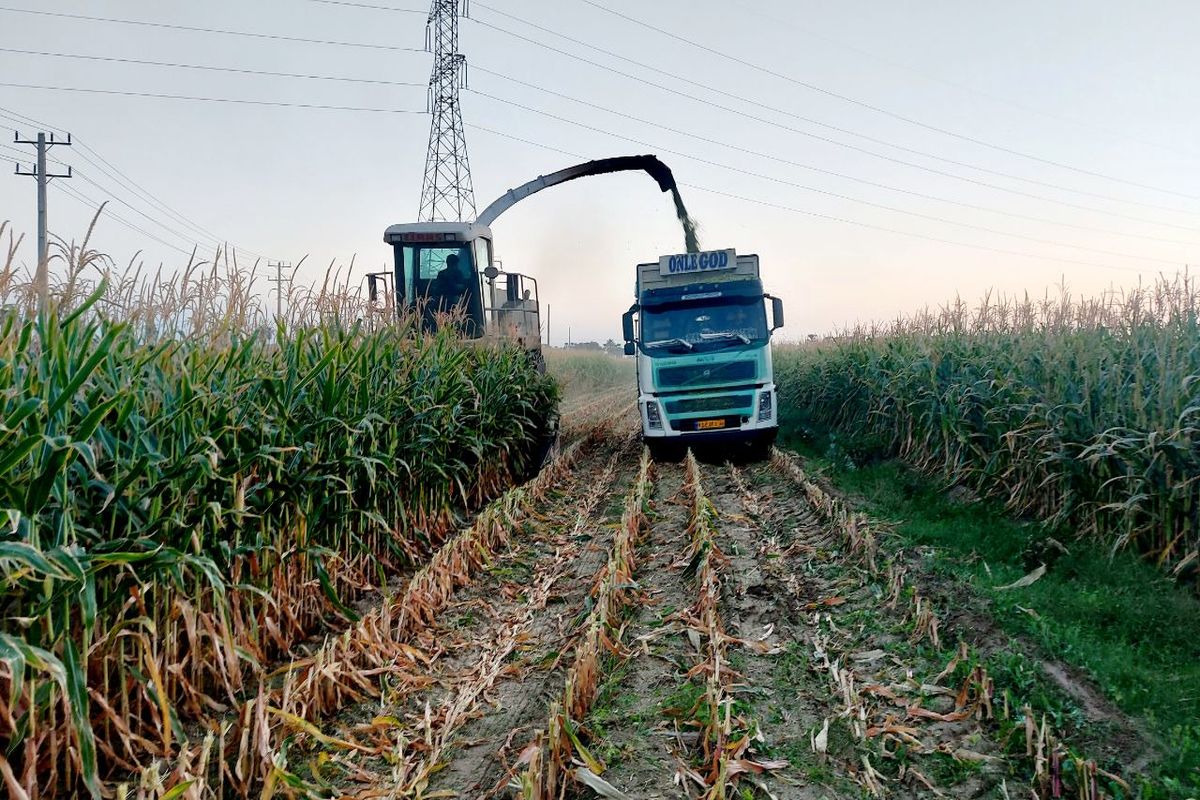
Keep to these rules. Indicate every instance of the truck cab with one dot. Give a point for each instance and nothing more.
(700, 333)
(446, 274)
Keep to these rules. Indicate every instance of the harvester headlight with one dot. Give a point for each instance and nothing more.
(766, 406)
(653, 416)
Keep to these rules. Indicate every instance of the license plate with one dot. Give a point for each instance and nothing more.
(710, 424)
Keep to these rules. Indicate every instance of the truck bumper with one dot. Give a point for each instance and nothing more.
(760, 423)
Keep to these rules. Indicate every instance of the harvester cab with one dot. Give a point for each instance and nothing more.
(446, 270)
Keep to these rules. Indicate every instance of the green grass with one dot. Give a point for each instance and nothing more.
(1117, 618)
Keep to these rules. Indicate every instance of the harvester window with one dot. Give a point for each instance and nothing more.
(439, 273)
(483, 256)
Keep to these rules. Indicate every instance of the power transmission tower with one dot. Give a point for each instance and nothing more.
(41, 280)
(446, 192)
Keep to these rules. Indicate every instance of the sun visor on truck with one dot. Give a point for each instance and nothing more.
(696, 292)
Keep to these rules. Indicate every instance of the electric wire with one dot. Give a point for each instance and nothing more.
(961, 87)
(218, 31)
(721, 53)
(793, 184)
(21, 119)
(207, 67)
(154, 220)
(196, 98)
(372, 7)
(26, 157)
(82, 198)
(822, 170)
(107, 168)
(641, 80)
(111, 171)
(832, 218)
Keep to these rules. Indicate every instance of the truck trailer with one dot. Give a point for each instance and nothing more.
(700, 333)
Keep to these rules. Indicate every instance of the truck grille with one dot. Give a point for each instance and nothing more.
(700, 405)
(706, 374)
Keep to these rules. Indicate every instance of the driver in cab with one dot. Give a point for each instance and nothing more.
(451, 283)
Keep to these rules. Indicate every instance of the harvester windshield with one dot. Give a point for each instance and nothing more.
(440, 278)
(436, 274)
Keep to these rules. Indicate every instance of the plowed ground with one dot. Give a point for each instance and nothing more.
(838, 678)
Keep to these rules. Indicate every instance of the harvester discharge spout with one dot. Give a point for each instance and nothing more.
(656, 169)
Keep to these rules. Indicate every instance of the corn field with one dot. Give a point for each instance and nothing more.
(1081, 412)
(189, 491)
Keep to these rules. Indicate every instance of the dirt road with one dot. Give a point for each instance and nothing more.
(676, 630)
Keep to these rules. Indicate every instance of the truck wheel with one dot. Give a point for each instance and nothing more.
(666, 452)
(759, 448)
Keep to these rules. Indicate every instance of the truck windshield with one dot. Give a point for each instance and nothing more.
(686, 327)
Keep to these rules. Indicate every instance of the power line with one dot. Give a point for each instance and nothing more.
(173, 231)
(792, 184)
(220, 31)
(107, 168)
(99, 162)
(848, 221)
(962, 87)
(207, 67)
(831, 218)
(824, 125)
(80, 197)
(21, 155)
(822, 170)
(370, 6)
(721, 53)
(21, 119)
(274, 103)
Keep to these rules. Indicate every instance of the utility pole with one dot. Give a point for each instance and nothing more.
(41, 280)
(278, 281)
(549, 341)
(446, 192)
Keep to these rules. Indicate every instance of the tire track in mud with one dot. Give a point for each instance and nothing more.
(480, 767)
(831, 679)
(626, 724)
(764, 618)
(488, 657)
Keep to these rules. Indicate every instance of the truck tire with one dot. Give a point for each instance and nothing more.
(759, 448)
(665, 452)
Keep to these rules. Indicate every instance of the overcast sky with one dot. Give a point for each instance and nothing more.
(1067, 130)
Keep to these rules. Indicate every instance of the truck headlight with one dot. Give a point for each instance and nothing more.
(766, 406)
(653, 416)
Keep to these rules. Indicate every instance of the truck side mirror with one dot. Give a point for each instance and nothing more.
(627, 328)
(630, 349)
(777, 312)
(373, 288)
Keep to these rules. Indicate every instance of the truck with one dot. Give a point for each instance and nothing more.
(699, 331)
